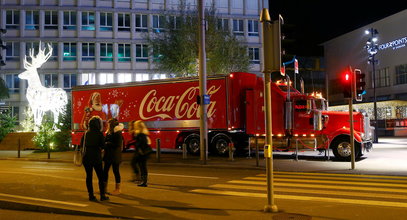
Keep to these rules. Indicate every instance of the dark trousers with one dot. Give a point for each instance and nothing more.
(89, 167)
(116, 171)
(142, 162)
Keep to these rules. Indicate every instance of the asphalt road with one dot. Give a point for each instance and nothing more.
(185, 192)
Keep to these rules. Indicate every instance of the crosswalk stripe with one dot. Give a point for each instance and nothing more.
(336, 174)
(321, 186)
(305, 198)
(331, 178)
(334, 182)
(314, 191)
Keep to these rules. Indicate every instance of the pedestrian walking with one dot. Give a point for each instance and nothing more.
(134, 163)
(142, 150)
(113, 153)
(93, 142)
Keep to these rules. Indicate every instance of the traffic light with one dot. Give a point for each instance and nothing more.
(2, 47)
(271, 42)
(347, 83)
(359, 84)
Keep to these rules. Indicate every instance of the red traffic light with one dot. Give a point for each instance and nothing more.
(346, 83)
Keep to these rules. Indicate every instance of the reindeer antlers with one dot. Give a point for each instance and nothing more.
(39, 59)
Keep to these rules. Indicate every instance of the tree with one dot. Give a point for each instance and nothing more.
(45, 136)
(175, 48)
(3, 89)
(7, 123)
(63, 137)
(27, 125)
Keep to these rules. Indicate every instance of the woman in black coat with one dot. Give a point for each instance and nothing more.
(113, 153)
(93, 141)
(142, 150)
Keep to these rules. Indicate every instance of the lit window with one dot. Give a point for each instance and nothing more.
(123, 22)
(106, 21)
(141, 23)
(51, 20)
(88, 51)
(142, 76)
(106, 52)
(12, 19)
(141, 53)
(69, 20)
(88, 78)
(124, 53)
(124, 77)
(69, 51)
(105, 78)
(159, 76)
(88, 21)
(12, 51)
(32, 20)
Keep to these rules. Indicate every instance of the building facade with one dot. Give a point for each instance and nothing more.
(390, 69)
(101, 41)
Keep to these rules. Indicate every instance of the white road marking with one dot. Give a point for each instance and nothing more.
(305, 198)
(43, 200)
(184, 176)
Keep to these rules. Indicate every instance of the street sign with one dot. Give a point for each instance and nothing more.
(206, 99)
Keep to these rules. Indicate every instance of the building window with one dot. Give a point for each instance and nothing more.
(158, 22)
(105, 78)
(223, 24)
(141, 23)
(401, 74)
(123, 22)
(382, 77)
(88, 51)
(13, 51)
(238, 27)
(142, 76)
(159, 76)
(69, 20)
(106, 52)
(252, 5)
(51, 20)
(12, 19)
(124, 52)
(31, 46)
(54, 45)
(51, 80)
(13, 83)
(69, 51)
(106, 21)
(69, 81)
(15, 110)
(88, 21)
(88, 78)
(141, 53)
(32, 19)
(124, 77)
(253, 27)
(237, 4)
(254, 55)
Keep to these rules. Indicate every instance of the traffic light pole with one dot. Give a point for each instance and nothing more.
(351, 127)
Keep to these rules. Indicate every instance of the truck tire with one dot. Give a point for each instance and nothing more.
(192, 143)
(341, 148)
(220, 144)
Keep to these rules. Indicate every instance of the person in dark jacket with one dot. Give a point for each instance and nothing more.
(134, 162)
(93, 141)
(142, 150)
(113, 153)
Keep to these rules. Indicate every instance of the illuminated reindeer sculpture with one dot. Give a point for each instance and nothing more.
(40, 98)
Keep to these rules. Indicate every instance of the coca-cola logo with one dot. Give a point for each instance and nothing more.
(184, 105)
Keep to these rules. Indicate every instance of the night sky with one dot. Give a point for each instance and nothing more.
(312, 22)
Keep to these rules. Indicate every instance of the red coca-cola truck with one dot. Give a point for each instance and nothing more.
(235, 114)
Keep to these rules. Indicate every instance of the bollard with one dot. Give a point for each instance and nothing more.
(257, 151)
(231, 149)
(184, 151)
(19, 148)
(158, 149)
(249, 156)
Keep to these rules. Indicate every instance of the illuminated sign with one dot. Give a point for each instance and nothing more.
(395, 44)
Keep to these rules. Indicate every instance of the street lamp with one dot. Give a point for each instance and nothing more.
(372, 48)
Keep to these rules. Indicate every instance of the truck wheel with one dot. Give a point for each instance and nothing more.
(342, 149)
(193, 144)
(221, 145)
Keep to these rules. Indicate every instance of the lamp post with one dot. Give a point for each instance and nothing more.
(372, 49)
